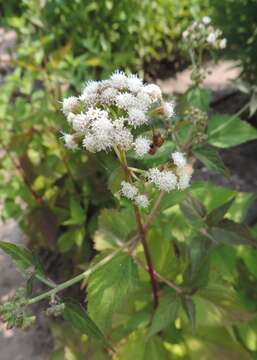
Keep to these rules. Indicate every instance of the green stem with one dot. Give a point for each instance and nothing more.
(76, 279)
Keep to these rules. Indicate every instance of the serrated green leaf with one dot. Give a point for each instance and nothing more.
(189, 307)
(22, 257)
(115, 179)
(109, 286)
(77, 213)
(225, 131)
(137, 347)
(113, 225)
(193, 209)
(229, 232)
(209, 156)
(218, 214)
(165, 314)
(77, 316)
(69, 238)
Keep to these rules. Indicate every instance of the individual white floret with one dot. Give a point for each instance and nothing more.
(179, 159)
(136, 117)
(119, 80)
(168, 109)
(103, 132)
(96, 114)
(184, 175)
(92, 86)
(70, 117)
(142, 201)
(143, 101)
(167, 181)
(184, 181)
(223, 43)
(121, 135)
(89, 143)
(90, 93)
(185, 34)
(164, 180)
(69, 141)
(206, 20)
(125, 100)
(128, 190)
(153, 91)
(70, 104)
(212, 37)
(134, 83)
(108, 95)
(142, 146)
(80, 122)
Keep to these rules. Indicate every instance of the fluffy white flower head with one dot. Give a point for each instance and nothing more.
(69, 141)
(206, 20)
(153, 91)
(128, 190)
(223, 43)
(134, 83)
(168, 109)
(142, 201)
(211, 38)
(164, 180)
(136, 117)
(119, 80)
(179, 159)
(142, 146)
(70, 104)
(80, 122)
(125, 100)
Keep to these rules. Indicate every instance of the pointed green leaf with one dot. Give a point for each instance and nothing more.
(165, 314)
(199, 98)
(218, 214)
(76, 315)
(22, 257)
(229, 232)
(109, 287)
(226, 131)
(193, 209)
(136, 346)
(189, 308)
(209, 156)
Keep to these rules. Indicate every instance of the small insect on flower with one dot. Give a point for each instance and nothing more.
(142, 201)
(178, 159)
(142, 146)
(128, 190)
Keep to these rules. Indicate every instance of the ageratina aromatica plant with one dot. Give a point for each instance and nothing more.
(157, 245)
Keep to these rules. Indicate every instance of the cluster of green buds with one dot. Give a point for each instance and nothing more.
(199, 120)
(13, 312)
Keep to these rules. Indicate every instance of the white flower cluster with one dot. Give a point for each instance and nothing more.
(107, 111)
(131, 192)
(202, 33)
(168, 180)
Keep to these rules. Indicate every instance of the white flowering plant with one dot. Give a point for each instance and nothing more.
(157, 284)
